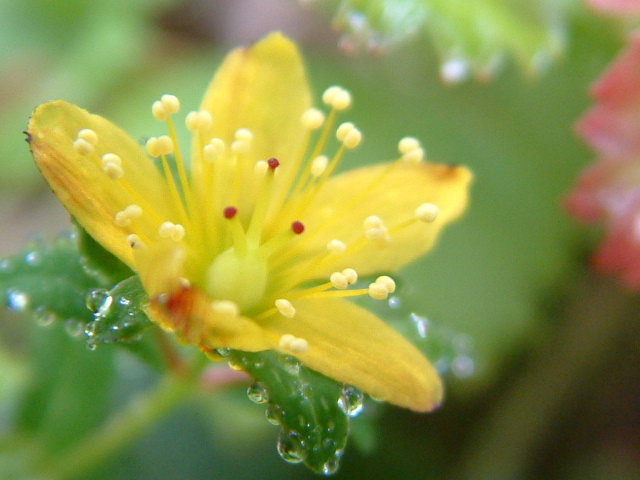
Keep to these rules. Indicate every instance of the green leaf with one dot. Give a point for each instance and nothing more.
(470, 37)
(312, 410)
(50, 280)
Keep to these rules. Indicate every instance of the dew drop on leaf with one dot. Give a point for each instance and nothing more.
(258, 393)
(351, 401)
(291, 447)
(17, 300)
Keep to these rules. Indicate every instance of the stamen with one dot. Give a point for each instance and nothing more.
(273, 163)
(242, 142)
(427, 212)
(124, 217)
(312, 119)
(88, 135)
(411, 150)
(285, 308)
(319, 165)
(382, 287)
(83, 147)
(214, 149)
(174, 231)
(336, 247)
(134, 241)
(339, 280)
(160, 146)
(341, 100)
(351, 275)
(226, 309)
(330, 93)
(111, 158)
(201, 120)
(261, 168)
(113, 170)
(171, 103)
(293, 344)
(343, 129)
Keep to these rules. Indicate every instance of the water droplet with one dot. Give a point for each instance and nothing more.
(331, 466)
(223, 352)
(17, 300)
(44, 317)
(463, 366)
(291, 447)
(462, 343)
(258, 393)
(273, 413)
(455, 70)
(291, 365)
(74, 327)
(99, 301)
(421, 324)
(351, 401)
(395, 302)
(33, 259)
(6, 266)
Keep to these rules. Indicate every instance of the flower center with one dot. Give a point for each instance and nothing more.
(238, 276)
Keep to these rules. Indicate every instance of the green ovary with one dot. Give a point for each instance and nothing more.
(240, 277)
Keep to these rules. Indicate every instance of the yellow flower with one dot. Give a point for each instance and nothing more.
(257, 246)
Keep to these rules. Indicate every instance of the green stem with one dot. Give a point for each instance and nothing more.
(120, 430)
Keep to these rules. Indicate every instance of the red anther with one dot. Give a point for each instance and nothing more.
(273, 163)
(230, 212)
(297, 227)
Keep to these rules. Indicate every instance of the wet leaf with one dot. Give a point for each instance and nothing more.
(312, 410)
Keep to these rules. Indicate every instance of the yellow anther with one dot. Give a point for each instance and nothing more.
(113, 170)
(336, 246)
(159, 111)
(130, 213)
(341, 100)
(213, 149)
(353, 138)
(427, 212)
(285, 308)
(388, 282)
(226, 309)
(372, 222)
(174, 231)
(242, 142)
(330, 93)
(414, 156)
(408, 144)
(88, 135)
(83, 147)
(378, 291)
(312, 119)
(134, 241)
(171, 103)
(201, 120)
(261, 168)
(293, 344)
(339, 280)
(343, 130)
(157, 147)
(319, 165)
(111, 158)
(351, 275)
(377, 233)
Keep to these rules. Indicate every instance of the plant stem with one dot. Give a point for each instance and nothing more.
(121, 429)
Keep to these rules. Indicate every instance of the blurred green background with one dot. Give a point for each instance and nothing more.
(551, 385)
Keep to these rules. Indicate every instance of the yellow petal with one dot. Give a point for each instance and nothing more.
(351, 345)
(190, 313)
(263, 88)
(391, 192)
(81, 184)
